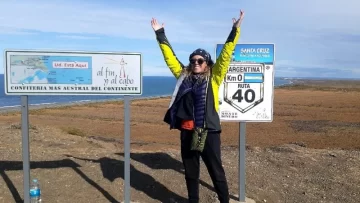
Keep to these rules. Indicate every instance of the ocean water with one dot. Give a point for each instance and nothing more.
(153, 86)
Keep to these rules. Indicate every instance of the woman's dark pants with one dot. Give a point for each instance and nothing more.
(211, 155)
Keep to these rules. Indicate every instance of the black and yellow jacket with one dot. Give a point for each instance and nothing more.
(218, 73)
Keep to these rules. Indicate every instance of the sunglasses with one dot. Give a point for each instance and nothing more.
(200, 61)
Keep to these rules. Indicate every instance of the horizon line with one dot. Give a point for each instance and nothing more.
(284, 77)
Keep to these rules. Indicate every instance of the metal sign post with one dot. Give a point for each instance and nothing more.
(247, 92)
(34, 72)
(127, 194)
(25, 146)
(242, 159)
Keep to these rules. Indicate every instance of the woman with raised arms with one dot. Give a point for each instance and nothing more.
(194, 108)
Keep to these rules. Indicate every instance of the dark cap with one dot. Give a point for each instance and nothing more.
(204, 54)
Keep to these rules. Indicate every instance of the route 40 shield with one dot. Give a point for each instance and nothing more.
(243, 90)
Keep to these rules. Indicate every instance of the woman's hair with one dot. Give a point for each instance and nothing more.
(188, 71)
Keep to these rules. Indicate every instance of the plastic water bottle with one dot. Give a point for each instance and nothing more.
(35, 192)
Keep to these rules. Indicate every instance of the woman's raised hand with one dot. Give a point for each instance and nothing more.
(155, 25)
(237, 22)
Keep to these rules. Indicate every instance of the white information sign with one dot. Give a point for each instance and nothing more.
(72, 73)
(246, 94)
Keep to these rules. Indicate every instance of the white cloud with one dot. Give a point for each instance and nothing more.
(77, 37)
(306, 33)
(301, 15)
(76, 18)
(14, 31)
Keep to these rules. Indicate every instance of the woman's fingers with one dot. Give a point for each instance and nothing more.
(154, 22)
(155, 25)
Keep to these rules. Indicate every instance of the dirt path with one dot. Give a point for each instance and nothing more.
(79, 169)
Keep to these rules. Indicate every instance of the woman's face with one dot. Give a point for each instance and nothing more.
(198, 64)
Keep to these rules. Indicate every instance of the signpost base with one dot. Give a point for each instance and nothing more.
(127, 148)
(242, 150)
(25, 146)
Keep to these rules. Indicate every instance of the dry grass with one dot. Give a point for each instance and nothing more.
(17, 126)
(74, 131)
(76, 152)
(318, 119)
(324, 85)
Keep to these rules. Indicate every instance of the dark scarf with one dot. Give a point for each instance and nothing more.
(197, 86)
(189, 103)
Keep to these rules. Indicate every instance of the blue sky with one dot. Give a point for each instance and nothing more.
(313, 38)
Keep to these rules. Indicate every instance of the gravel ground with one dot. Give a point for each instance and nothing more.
(81, 169)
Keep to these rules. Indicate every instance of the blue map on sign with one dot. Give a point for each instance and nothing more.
(32, 69)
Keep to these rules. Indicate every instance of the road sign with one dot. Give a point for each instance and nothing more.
(246, 93)
(30, 72)
(72, 73)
